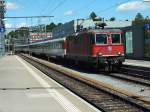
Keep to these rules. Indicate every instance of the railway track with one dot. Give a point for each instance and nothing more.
(104, 97)
(138, 75)
(135, 74)
(131, 78)
(140, 72)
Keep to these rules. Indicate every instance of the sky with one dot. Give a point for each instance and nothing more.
(67, 10)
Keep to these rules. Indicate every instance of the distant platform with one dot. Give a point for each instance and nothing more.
(23, 88)
(139, 63)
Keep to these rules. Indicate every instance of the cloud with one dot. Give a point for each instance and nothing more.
(133, 6)
(23, 24)
(69, 13)
(11, 6)
(7, 25)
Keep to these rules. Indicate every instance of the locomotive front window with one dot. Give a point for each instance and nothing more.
(101, 39)
(116, 39)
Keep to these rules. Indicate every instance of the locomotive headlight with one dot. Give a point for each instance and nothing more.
(100, 54)
(119, 53)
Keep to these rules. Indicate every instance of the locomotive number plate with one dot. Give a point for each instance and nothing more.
(109, 48)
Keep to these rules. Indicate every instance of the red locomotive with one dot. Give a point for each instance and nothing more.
(102, 48)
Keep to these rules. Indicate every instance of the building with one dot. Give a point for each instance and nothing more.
(137, 41)
(35, 37)
(2, 27)
(75, 26)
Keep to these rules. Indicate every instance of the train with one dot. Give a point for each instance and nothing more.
(101, 48)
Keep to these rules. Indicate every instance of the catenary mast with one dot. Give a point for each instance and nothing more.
(2, 27)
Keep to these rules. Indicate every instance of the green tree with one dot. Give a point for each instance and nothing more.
(140, 20)
(11, 34)
(139, 16)
(147, 18)
(59, 24)
(93, 15)
(50, 27)
(112, 19)
(20, 35)
(23, 32)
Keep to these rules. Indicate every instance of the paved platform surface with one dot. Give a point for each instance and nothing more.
(141, 63)
(23, 88)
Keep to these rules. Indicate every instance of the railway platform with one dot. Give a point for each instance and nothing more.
(23, 88)
(138, 63)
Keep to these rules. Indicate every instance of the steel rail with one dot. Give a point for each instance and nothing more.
(102, 96)
(130, 78)
(138, 71)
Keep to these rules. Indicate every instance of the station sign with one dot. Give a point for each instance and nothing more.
(147, 27)
(2, 29)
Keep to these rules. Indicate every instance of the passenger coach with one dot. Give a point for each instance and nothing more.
(101, 48)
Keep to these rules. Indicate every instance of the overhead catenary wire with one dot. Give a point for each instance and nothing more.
(106, 9)
(85, 6)
(43, 11)
(28, 16)
(57, 6)
(78, 10)
(103, 10)
(110, 7)
(115, 5)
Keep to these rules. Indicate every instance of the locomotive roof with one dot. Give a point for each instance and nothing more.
(52, 40)
(42, 42)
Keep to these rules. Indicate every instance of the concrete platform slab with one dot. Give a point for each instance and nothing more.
(23, 88)
(140, 63)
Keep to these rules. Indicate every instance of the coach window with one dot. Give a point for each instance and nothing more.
(60, 45)
(54, 45)
(57, 45)
(51, 45)
(47, 46)
(101, 39)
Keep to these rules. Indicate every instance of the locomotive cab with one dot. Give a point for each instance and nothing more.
(108, 48)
